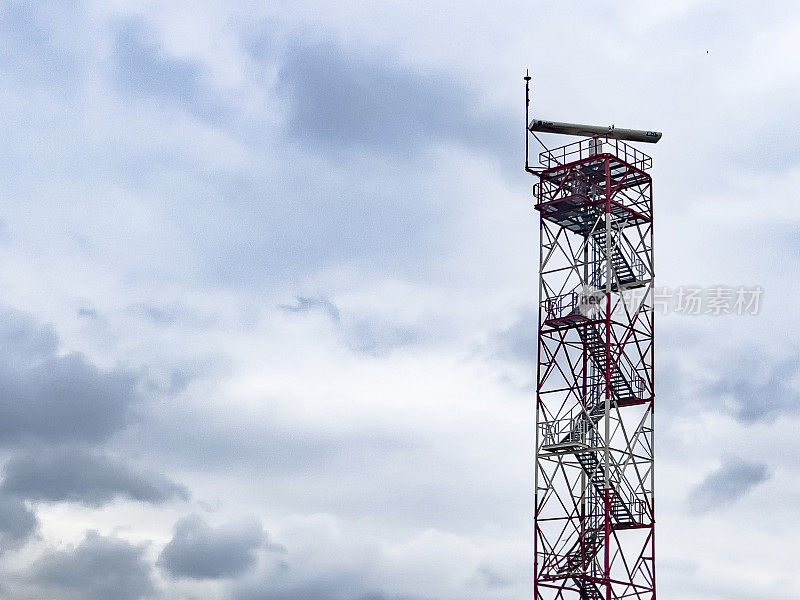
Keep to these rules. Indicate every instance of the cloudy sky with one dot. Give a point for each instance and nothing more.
(268, 276)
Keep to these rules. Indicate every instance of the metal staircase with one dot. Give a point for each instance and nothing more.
(590, 591)
(621, 513)
(628, 270)
(621, 388)
(591, 540)
(582, 553)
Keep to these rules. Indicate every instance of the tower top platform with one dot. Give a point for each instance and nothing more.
(592, 147)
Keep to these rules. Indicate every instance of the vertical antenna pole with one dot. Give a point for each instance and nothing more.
(527, 115)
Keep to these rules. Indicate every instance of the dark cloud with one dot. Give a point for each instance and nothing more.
(515, 348)
(52, 397)
(340, 97)
(519, 341)
(492, 579)
(364, 99)
(219, 441)
(344, 586)
(88, 478)
(366, 335)
(730, 482)
(198, 551)
(379, 337)
(163, 315)
(99, 568)
(88, 313)
(179, 380)
(34, 52)
(23, 339)
(240, 225)
(17, 523)
(144, 68)
(307, 304)
(757, 385)
(172, 313)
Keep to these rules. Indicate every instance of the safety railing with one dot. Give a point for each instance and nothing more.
(592, 146)
(573, 429)
(636, 504)
(557, 307)
(632, 258)
(631, 374)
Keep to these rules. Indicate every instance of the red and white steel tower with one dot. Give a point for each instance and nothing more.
(594, 531)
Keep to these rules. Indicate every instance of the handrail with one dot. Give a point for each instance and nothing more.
(556, 307)
(631, 257)
(588, 147)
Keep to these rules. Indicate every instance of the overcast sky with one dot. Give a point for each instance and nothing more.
(268, 277)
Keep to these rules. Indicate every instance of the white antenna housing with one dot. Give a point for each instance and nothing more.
(632, 135)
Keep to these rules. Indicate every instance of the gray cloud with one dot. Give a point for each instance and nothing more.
(88, 478)
(340, 97)
(172, 313)
(492, 578)
(344, 586)
(237, 225)
(379, 337)
(63, 399)
(144, 69)
(198, 551)
(359, 99)
(23, 339)
(99, 568)
(34, 51)
(283, 446)
(758, 386)
(307, 304)
(163, 315)
(519, 341)
(17, 523)
(723, 487)
(311, 469)
(364, 334)
(52, 397)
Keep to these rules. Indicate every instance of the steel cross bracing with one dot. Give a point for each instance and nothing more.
(594, 507)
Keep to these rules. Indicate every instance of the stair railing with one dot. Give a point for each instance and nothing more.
(556, 307)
